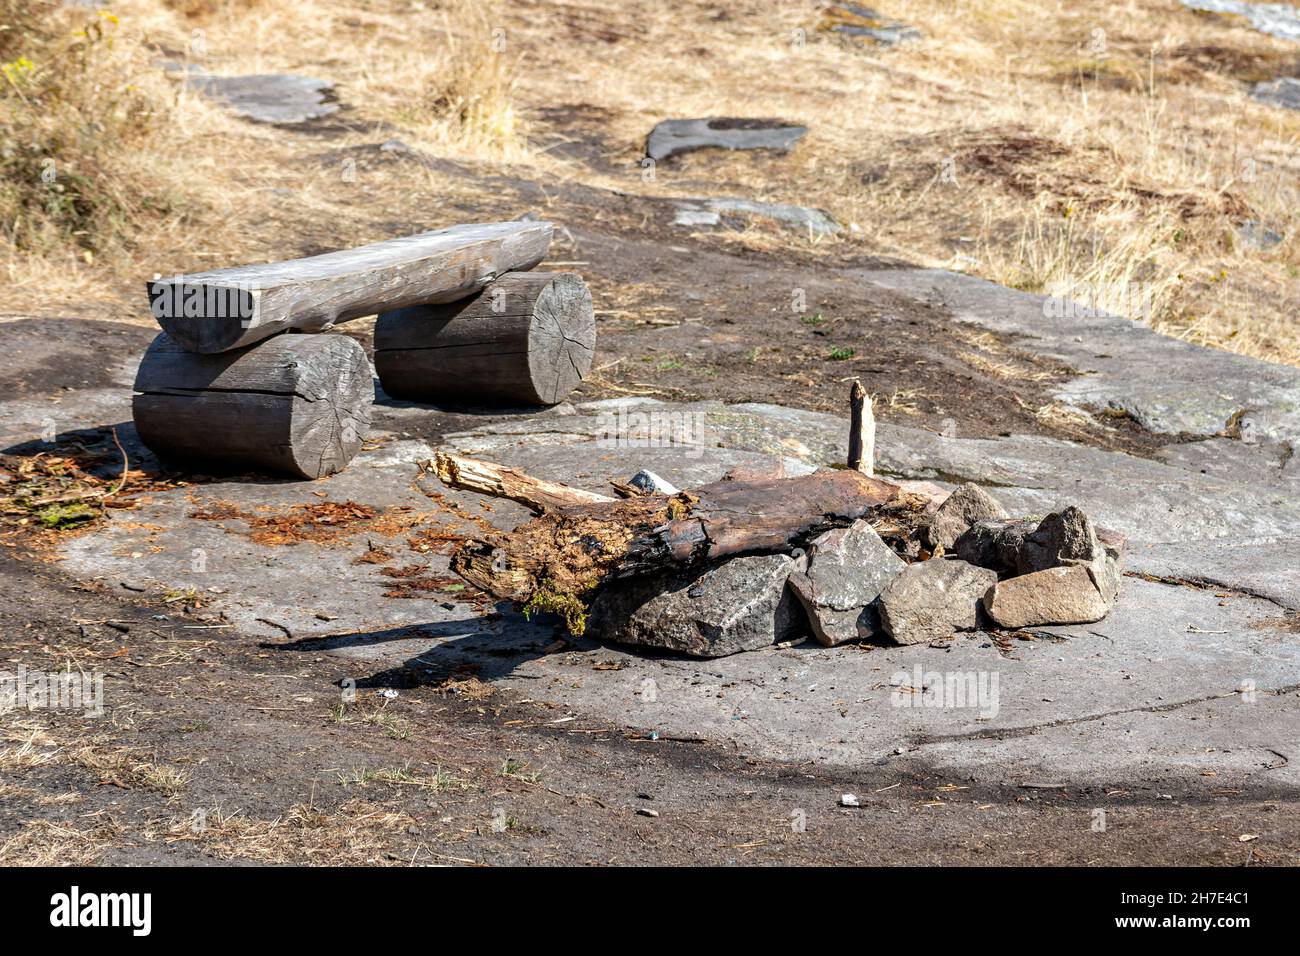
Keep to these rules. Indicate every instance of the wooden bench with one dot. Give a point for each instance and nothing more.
(460, 321)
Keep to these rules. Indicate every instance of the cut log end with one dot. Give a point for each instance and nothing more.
(561, 338)
(295, 405)
(527, 339)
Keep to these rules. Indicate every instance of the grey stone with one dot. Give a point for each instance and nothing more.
(933, 599)
(1254, 233)
(994, 543)
(1059, 595)
(674, 137)
(847, 570)
(281, 99)
(1281, 20)
(865, 24)
(1067, 537)
(1283, 92)
(648, 483)
(965, 506)
(739, 605)
(709, 212)
(1063, 537)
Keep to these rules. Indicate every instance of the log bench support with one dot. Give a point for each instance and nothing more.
(293, 404)
(527, 339)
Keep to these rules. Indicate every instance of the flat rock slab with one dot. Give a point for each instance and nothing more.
(1280, 20)
(1179, 679)
(1167, 386)
(277, 98)
(865, 25)
(674, 137)
(710, 212)
(1284, 92)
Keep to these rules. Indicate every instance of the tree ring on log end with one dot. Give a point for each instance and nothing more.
(292, 404)
(526, 339)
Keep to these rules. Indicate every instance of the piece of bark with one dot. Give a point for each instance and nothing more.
(572, 550)
(295, 404)
(230, 308)
(862, 431)
(500, 481)
(526, 339)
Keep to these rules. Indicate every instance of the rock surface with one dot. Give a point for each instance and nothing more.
(738, 605)
(674, 137)
(1281, 20)
(965, 506)
(847, 570)
(933, 599)
(709, 212)
(1229, 518)
(1060, 595)
(1283, 92)
(866, 25)
(1157, 380)
(280, 99)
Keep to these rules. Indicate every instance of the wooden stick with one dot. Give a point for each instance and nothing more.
(862, 431)
(230, 308)
(499, 481)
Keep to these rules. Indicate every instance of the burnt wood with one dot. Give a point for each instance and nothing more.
(570, 551)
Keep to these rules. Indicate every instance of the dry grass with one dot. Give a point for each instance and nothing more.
(45, 843)
(29, 745)
(82, 113)
(1080, 148)
(357, 833)
(130, 768)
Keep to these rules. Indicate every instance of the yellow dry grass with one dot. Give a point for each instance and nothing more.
(49, 843)
(1098, 150)
(357, 833)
